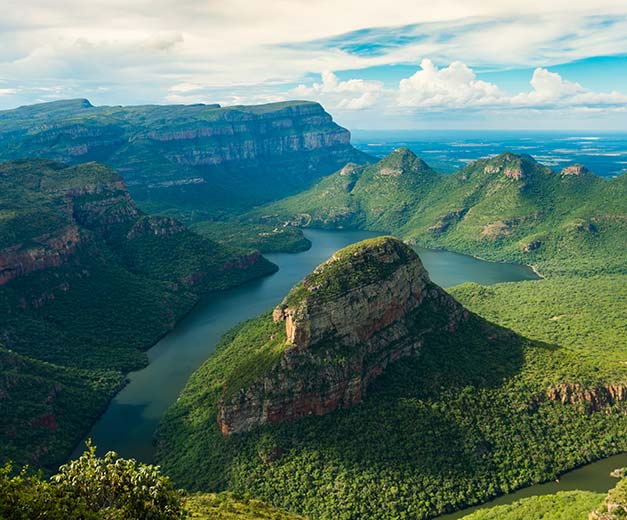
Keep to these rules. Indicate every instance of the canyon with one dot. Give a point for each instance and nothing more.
(188, 156)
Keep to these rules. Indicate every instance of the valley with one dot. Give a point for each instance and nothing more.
(174, 328)
(131, 419)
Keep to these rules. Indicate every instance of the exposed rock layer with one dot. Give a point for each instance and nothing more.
(344, 324)
(164, 149)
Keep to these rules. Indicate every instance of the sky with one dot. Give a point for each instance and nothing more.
(373, 64)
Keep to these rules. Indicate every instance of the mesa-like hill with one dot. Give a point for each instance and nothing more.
(191, 159)
(370, 392)
(87, 283)
(506, 208)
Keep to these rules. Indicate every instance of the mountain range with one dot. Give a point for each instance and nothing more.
(187, 159)
(369, 391)
(504, 208)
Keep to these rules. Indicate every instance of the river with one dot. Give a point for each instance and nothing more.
(129, 423)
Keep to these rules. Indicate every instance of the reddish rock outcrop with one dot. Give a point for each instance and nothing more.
(592, 397)
(43, 252)
(344, 324)
(575, 169)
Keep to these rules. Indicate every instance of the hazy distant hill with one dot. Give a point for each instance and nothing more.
(192, 157)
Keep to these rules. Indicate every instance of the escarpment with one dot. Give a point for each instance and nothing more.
(343, 324)
(54, 215)
(161, 151)
(50, 221)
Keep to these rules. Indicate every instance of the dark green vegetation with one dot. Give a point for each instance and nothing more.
(568, 505)
(194, 161)
(226, 506)
(507, 208)
(90, 488)
(87, 284)
(475, 415)
(263, 237)
(112, 488)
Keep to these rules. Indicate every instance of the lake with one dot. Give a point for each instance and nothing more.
(129, 423)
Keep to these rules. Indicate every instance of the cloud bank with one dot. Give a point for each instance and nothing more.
(156, 51)
(455, 87)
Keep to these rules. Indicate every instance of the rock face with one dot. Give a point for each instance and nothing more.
(160, 150)
(593, 398)
(56, 215)
(44, 252)
(512, 166)
(575, 169)
(75, 213)
(345, 322)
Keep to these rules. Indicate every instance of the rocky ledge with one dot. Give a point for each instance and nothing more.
(344, 323)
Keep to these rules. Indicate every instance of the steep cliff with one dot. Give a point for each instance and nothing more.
(198, 156)
(87, 283)
(343, 324)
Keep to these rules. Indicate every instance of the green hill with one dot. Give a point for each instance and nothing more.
(476, 411)
(87, 283)
(506, 208)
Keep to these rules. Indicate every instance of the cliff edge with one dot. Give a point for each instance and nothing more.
(337, 330)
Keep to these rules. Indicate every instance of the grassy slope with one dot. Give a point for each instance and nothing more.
(564, 224)
(428, 440)
(360, 196)
(95, 315)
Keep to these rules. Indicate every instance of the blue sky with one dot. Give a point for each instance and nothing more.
(377, 64)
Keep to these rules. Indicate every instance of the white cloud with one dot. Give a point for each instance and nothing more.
(185, 87)
(354, 94)
(455, 86)
(140, 49)
(7, 91)
(550, 89)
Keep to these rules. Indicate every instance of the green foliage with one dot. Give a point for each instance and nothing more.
(467, 420)
(263, 237)
(91, 488)
(566, 505)
(83, 318)
(563, 224)
(227, 506)
(46, 408)
(372, 197)
(119, 488)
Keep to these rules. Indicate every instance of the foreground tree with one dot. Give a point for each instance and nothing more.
(90, 487)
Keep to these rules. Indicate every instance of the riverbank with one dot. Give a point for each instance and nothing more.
(129, 422)
(590, 477)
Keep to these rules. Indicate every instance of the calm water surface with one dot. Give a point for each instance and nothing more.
(593, 477)
(129, 423)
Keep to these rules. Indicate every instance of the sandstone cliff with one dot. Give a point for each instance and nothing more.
(55, 215)
(344, 323)
(196, 155)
